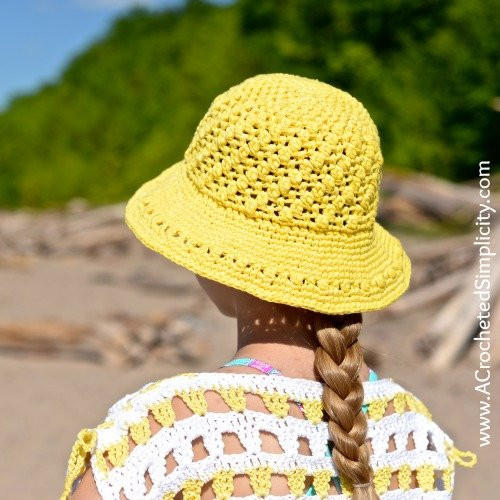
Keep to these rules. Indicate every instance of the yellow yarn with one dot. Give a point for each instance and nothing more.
(186, 374)
(191, 489)
(456, 455)
(127, 406)
(346, 485)
(118, 452)
(141, 432)
(234, 397)
(260, 480)
(88, 444)
(382, 479)
(296, 479)
(223, 484)
(164, 413)
(195, 400)
(414, 404)
(377, 408)
(105, 425)
(421, 408)
(151, 387)
(313, 410)
(276, 403)
(425, 477)
(321, 482)
(84, 444)
(399, 402)
(448, 474)
(404, 477)
(277, 195)
(101, 462)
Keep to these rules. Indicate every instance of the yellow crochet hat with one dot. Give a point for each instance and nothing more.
(277, 196)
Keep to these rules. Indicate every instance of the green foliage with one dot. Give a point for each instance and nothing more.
(126, 108)
(427, 70)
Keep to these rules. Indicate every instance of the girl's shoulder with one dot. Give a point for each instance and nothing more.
(128, 444)
(189, 387)
(194, 389)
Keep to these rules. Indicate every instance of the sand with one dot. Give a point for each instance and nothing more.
(46, 400)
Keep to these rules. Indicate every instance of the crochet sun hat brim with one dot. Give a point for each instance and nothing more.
(323, 272)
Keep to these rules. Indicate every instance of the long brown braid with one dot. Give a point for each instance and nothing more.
(338, 362)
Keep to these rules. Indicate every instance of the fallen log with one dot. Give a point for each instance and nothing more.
(47, 338)
(95, 218)
(119, 339)
(439, 197)
(430, 293)
(440, 247)
(458, 322)
(41, 332)
(92, 240)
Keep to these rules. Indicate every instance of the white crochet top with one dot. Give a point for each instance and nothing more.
(131, 458)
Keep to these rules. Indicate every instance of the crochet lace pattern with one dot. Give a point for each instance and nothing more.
(119, 468)
(277, 196)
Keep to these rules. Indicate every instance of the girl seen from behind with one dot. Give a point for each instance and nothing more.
(273, 208)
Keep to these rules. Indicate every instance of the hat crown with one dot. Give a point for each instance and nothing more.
(289, 150)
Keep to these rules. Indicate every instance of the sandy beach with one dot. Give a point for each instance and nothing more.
(47, 398)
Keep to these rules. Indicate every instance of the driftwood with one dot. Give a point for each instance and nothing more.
(118, 339)
(455, 335)
(94, 239)
(46, 338)
(41, 333)
(430, 293)
(443, 270)
(439, 258)
(410, 199)
(49, 233)
(438, 197)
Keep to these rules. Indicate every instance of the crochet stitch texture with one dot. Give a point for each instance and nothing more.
(118, 468)
(277, 196)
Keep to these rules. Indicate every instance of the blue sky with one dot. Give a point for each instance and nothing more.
(38, 37)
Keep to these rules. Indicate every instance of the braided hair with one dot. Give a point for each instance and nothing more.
(338, 362)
